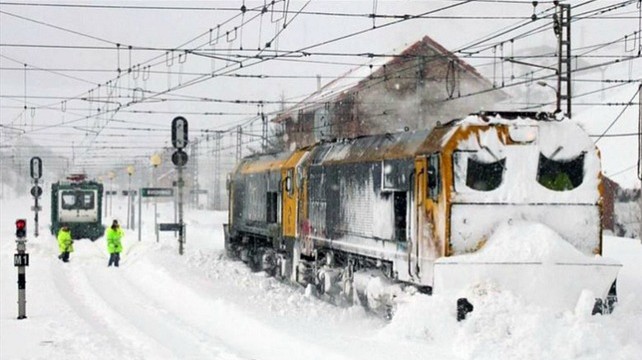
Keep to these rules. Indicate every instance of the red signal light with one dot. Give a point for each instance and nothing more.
(21, 228)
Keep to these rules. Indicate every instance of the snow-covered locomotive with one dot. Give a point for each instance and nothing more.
(366, 217)
(77, 203)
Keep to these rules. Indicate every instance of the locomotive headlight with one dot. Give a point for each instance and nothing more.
(522, 134)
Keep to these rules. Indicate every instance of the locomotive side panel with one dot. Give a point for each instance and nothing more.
(356, 211)
(256, 203)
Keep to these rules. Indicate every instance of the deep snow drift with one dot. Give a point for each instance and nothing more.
(160, 305)
(525, 257)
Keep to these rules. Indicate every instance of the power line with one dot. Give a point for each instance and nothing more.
(57, 27)
(617, 135)
(618, 117)
(219, 75)
(316, 13)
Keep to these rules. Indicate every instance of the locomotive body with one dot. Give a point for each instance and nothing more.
(78, 204)
(391, 207)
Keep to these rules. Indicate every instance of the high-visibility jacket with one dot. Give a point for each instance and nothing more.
(114, 246)
(65, 243)
(558, 182)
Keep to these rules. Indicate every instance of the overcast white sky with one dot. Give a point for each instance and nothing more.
(62, 94)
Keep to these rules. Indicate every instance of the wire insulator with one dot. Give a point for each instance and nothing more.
(214, 39)
(234, 32)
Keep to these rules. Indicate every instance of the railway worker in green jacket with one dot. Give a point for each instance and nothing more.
(559, 181)
(65, 243)
(114, 246)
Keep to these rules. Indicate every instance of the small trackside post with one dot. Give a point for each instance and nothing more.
(179, 159)
(21, 260)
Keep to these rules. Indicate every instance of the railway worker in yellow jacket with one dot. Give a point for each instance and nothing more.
(114, 246)
(65, 243)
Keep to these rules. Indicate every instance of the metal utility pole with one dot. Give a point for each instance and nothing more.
(562, 28)
(264, 131)
(217, 170)
(155, 161)
(640, 156)
(195, 185)
(130, 200)
(112, 192)
(106, 200)
(239, 139)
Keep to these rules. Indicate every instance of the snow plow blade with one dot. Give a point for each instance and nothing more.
(557, 285)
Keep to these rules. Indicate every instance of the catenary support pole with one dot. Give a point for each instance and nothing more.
(640, 159)
(140, 207)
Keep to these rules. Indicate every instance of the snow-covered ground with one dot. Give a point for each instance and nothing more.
(160, 305)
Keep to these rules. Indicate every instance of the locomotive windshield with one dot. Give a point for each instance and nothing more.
(560, 175)
(483, 176)
(77, 200)
(477, 174)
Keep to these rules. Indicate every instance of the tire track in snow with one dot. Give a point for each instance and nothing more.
(148, 316)
(224, 320)
(82, 306)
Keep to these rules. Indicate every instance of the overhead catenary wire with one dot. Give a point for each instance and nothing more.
(343, 37)
(617, 117)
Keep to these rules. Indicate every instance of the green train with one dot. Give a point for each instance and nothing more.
(77, 203)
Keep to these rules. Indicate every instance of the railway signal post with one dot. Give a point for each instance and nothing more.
(179, 158)
(36, 190)
(21, 260)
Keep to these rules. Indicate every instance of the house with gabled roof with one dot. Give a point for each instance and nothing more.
(415, 89)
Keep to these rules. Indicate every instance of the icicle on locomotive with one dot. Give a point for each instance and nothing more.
(366, 217)
(77, 203)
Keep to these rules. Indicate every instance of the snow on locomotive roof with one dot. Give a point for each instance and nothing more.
(261, 162)
(565, 138)
(372, 148)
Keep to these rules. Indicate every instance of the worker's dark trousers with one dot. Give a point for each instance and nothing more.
(114, 259)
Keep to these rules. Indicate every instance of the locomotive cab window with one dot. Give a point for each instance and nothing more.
(86, 200)
(77, 200)
(560, 175)
(472, 172)
(288, 182)
(68, 200)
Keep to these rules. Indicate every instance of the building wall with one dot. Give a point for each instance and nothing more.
(608, 203)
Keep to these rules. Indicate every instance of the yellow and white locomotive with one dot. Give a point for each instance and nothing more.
(401, 209)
